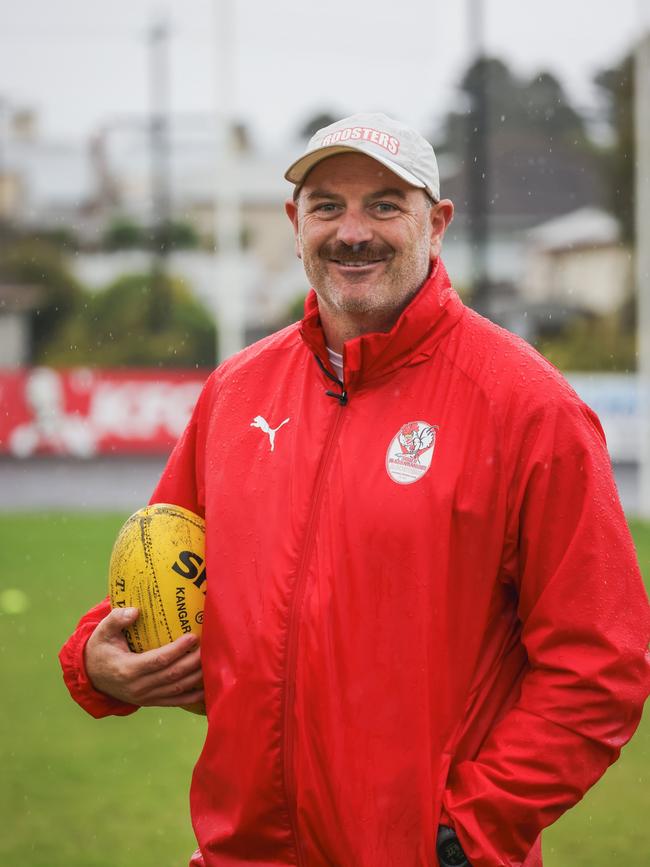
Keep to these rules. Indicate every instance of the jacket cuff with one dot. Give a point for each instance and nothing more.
(445, 819)
(94, 702)
(478, 850)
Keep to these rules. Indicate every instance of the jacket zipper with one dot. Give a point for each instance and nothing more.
(292, 639)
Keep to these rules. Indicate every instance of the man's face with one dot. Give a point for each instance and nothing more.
(365, 236)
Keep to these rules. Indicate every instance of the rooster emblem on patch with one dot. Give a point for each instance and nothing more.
(414, 442)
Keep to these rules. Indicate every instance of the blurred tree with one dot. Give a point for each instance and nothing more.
(114, 328)
(295, 309)
(538, 106)
(179, 235)
(40, 263)
(520, 156)
(318, 121)
(63, 237)
(125, 234)
(547, 109)
(502, 93)
(617, 90)
(605, 343)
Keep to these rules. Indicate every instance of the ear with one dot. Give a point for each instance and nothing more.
(291, 209)
(441, 215)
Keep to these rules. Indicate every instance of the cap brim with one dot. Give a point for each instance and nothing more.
(298, 171)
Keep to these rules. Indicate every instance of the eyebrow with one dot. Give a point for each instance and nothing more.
(321, 194)
(395, 192)
(387, 192)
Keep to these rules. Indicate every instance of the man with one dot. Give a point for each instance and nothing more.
(425, 633)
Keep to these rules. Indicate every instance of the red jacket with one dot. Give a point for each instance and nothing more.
(423, 601)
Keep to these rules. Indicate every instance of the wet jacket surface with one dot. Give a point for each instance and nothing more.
(393, 640)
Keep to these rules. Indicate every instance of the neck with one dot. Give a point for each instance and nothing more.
(339, 326)
(338, 331)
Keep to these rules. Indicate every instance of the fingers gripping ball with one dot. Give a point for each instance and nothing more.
(158, 566)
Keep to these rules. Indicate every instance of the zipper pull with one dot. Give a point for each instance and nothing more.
(341, 396)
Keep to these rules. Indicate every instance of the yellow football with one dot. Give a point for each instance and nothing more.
(158, 566)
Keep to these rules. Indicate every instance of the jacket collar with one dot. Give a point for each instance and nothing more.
(429, 316)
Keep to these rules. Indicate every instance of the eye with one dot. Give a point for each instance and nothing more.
(326, 208)
(385, 208)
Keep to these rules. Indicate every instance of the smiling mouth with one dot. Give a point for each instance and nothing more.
(356, 264)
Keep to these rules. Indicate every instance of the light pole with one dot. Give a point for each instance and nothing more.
(642, 125)
(229, 300)
(476, 158)
(160, 169)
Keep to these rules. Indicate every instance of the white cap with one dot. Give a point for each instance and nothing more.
(393, 144)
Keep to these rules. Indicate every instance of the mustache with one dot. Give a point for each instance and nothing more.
(363, 252)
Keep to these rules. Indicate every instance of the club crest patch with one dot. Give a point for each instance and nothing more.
(410, 452)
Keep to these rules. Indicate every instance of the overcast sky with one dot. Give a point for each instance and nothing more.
(79, 63)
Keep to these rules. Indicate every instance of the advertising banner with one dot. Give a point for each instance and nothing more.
(616, 399)
(84, 412)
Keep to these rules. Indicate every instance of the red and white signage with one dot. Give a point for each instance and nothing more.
(83, 412)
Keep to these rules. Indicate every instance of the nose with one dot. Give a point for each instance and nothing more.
(353, 227)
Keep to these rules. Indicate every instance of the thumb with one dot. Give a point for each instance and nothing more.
(119, 619)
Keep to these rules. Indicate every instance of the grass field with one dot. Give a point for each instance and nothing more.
(76, 792)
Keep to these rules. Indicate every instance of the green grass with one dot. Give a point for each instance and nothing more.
(76, 792)
(611, 825)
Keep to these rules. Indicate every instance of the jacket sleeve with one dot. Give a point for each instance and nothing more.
(181, 484)
(585, 627)
(71, 657)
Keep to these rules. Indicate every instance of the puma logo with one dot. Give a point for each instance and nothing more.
(263, 425)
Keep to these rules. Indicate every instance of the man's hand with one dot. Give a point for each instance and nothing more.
(168, 676)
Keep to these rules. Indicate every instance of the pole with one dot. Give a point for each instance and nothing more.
(476, 159)
(229, 300)
(5, 180)
(160, 170)
(642, 124)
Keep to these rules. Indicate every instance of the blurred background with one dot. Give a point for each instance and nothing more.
(143, 239)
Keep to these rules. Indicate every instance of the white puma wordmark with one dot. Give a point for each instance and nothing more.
(263, 425)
